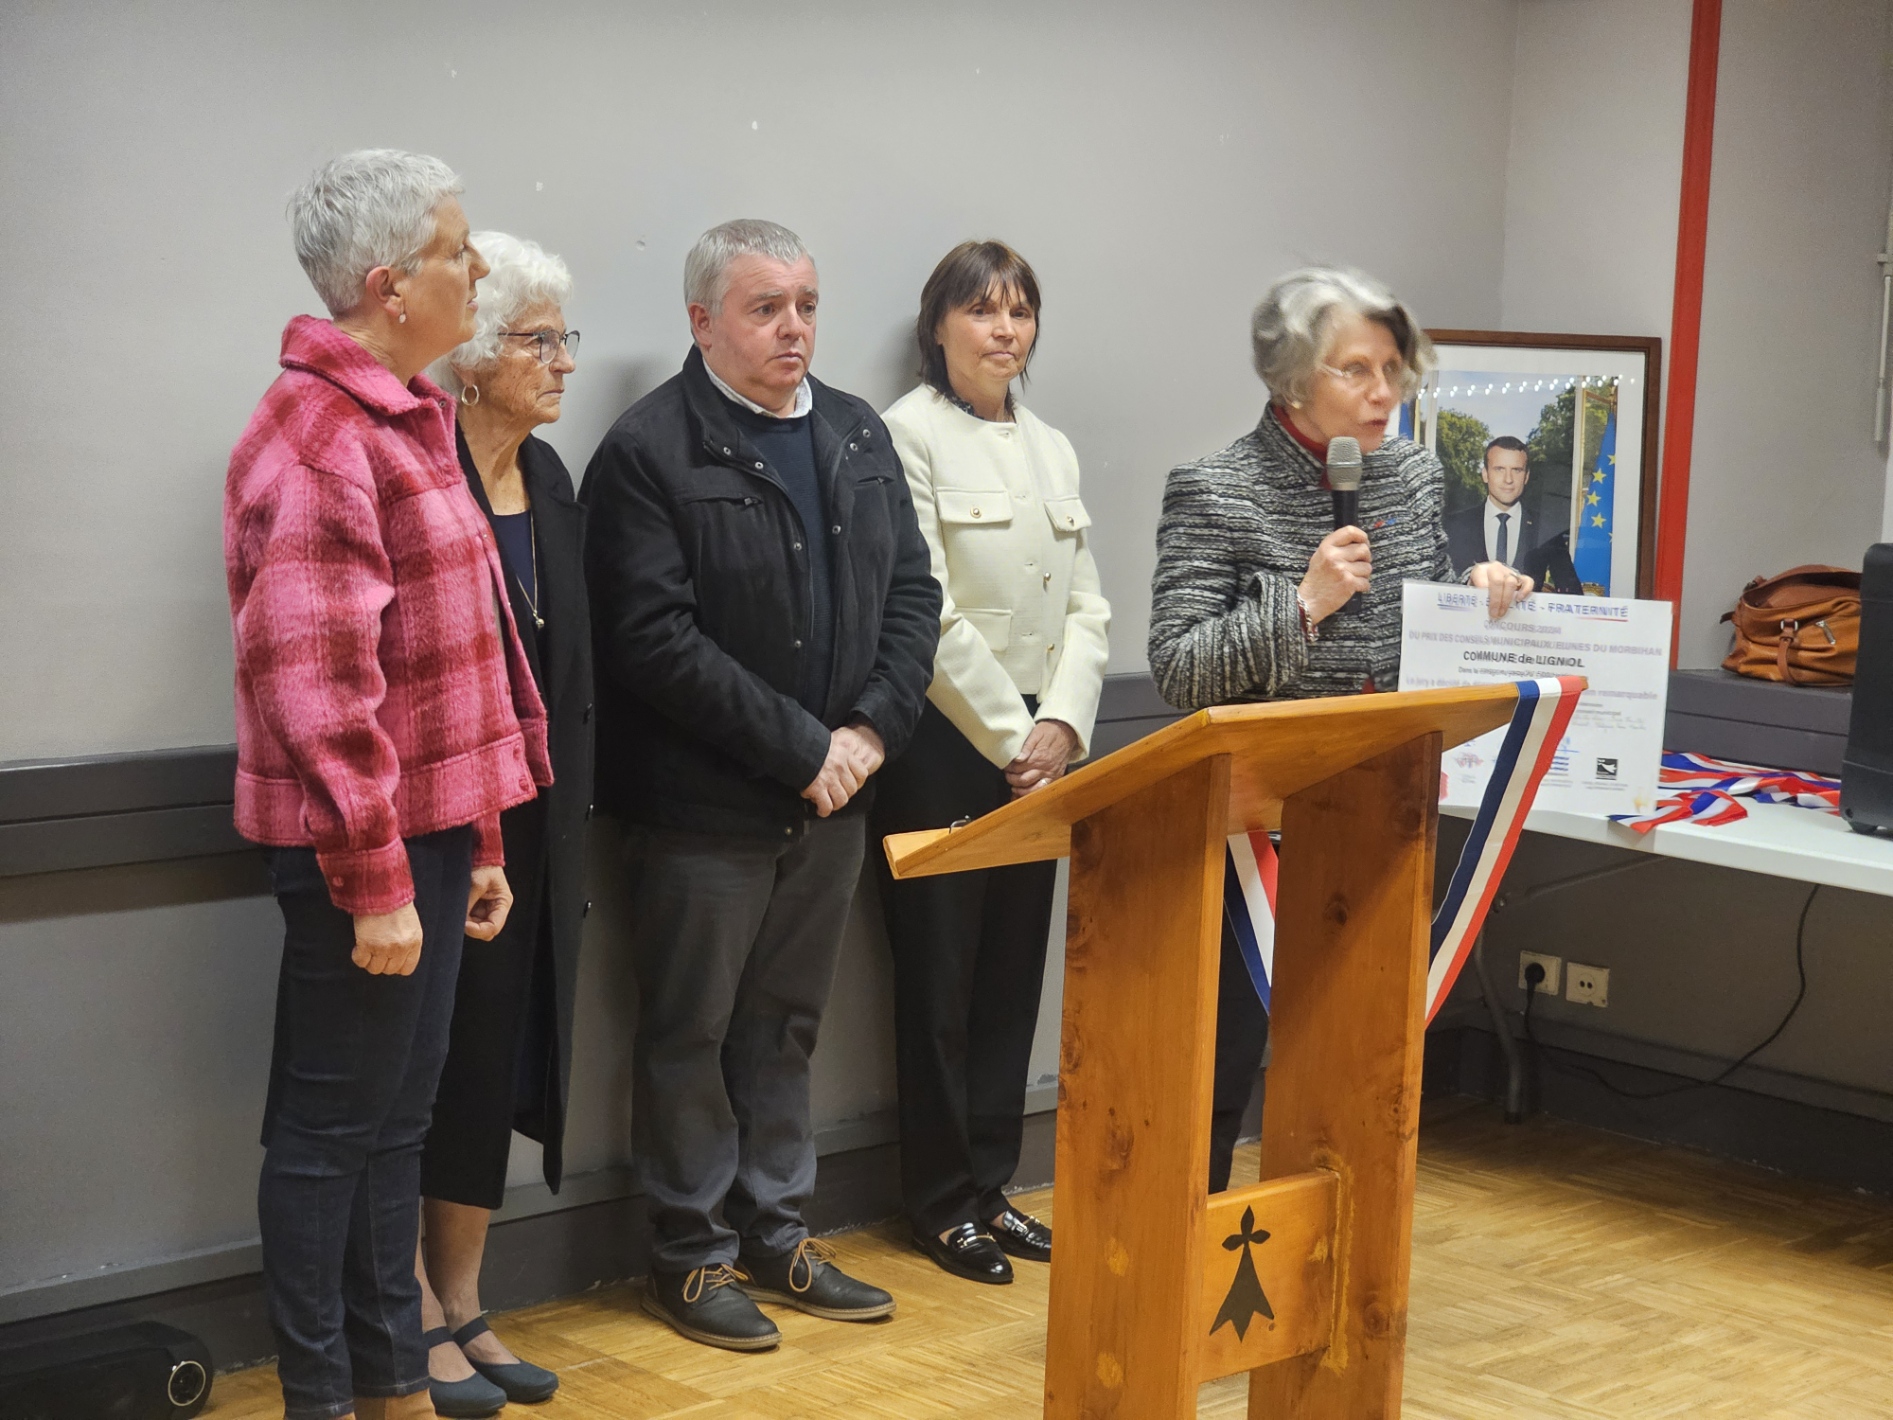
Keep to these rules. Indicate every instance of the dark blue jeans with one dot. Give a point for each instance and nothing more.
(351, 1090)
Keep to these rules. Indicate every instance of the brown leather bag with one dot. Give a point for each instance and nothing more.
(1801, 626)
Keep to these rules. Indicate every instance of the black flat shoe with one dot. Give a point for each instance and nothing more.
(521, 1380)
(967, 1252)
(808, 1280)
(473, 1398)
(1022, 1235)
(706, 1305)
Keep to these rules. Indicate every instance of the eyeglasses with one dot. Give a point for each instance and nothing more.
(546, 343)
(1359, 376)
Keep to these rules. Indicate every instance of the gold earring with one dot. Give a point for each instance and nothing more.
(470, 394)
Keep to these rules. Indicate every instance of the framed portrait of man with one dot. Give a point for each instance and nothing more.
(1549, 446)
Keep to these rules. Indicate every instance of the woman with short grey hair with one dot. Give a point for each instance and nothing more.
(510, 1052)
(386, 718)
(1250, 600)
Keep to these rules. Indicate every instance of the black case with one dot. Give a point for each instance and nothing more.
(1866, 772)
(146, 1371)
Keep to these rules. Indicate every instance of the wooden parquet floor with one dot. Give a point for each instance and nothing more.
(1558, 1272)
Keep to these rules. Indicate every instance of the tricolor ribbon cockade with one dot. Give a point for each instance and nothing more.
(1531, 742)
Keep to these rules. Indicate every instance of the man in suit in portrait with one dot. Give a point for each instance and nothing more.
(1499, 528)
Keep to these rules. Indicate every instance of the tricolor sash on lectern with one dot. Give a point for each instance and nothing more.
(1531, 741)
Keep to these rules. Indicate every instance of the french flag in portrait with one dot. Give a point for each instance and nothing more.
(1531, 741)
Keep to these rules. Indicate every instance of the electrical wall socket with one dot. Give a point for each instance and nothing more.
(1587, 985)
(1547, 987)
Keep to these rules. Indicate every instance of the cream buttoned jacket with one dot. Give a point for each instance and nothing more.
(1022, 613)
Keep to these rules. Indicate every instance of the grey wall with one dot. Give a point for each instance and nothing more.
(1158, 165)
(1785, 469)
(1593, 166)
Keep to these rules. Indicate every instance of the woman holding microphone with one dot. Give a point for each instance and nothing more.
(1015, 691)
(1251, 571)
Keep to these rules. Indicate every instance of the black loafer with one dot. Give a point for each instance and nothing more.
(808, 1280)
(705, 1305)
(967, 1252)
(521, 1380)
(1022, 1235)
(472, 1398)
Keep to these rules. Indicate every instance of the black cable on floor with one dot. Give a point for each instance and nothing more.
(1800, 995)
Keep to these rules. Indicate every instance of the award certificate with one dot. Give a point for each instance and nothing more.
(1611, 754)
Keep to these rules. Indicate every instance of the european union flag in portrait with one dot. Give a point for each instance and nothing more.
(1590, 552)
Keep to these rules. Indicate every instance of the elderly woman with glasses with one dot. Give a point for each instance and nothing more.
(1251, 595)
(510, 1052)
(386, 717)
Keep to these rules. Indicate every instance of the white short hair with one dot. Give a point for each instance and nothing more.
(706, 269)
(1293, 328)
(521, 274)
(366, 209)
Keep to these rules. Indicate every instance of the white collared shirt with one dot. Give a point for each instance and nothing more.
(1514, 527)
(804, 397)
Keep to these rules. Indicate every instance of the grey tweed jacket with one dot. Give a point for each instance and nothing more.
(1237, 531)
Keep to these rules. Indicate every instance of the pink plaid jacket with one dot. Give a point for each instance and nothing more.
(382, 692)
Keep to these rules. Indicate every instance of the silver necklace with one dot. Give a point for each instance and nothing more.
(532, 597)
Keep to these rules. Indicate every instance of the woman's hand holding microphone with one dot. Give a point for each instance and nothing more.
(1340, 568)
(1343, 563)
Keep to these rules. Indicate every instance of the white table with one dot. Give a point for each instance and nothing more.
(1780, 840)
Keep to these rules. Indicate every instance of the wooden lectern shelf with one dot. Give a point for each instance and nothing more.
(1275, 750)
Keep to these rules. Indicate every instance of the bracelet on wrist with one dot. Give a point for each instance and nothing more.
(1310, 631)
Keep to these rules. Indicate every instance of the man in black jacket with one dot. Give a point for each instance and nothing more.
(765, 622)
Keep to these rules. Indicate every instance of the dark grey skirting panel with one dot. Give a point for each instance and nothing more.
(1129, 709)
(149, 807)
(165, 804)
(1757, 721)
(106, 810)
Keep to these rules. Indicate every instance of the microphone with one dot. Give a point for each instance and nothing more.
(1344, 478)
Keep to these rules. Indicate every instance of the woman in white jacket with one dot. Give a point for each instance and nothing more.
(1023, 642)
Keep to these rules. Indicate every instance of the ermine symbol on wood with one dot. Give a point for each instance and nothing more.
(1246, 1297)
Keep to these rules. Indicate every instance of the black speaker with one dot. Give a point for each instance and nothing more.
(148, 1371)
(1866, 773)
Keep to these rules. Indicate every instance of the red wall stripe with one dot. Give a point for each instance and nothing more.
(1692, 237)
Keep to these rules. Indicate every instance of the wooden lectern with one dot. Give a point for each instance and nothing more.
(1300, 1279)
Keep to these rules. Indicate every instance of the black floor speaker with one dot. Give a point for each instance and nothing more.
(1866, 774)
(148, 1371)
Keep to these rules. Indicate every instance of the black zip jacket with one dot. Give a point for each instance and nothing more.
(698, 568)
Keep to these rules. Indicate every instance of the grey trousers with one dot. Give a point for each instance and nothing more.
(734, 943)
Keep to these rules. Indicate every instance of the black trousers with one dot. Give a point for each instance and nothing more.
(352, 1079)
(969, 963)
(1242, 1035)
(471, 1139)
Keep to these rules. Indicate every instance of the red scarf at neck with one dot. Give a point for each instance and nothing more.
(1317, 447)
